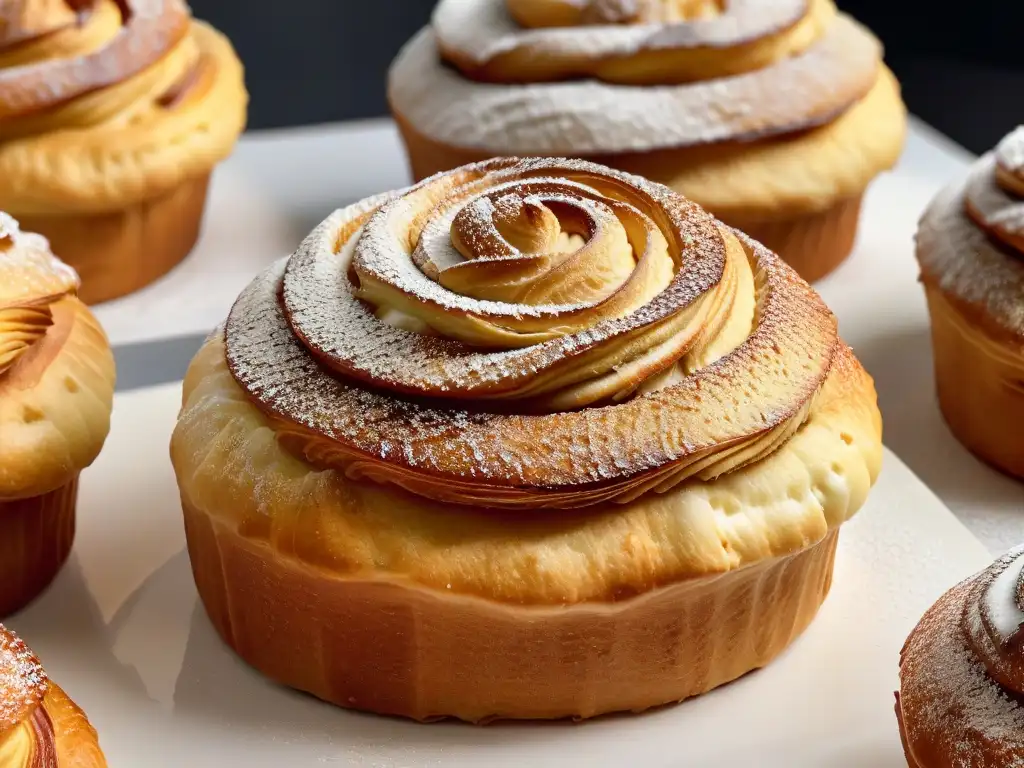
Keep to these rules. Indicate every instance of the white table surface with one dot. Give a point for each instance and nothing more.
(122, 630)
(280, 184)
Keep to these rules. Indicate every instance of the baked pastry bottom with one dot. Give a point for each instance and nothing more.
(400, 649)
(122, 251)
(36, 535)
(980, 383)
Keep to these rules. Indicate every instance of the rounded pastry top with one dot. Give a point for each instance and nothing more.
(553, 76)
(962, 673)
(971, 240)
(56, 369)
(23, 684)
(110, 102)
(531, 333)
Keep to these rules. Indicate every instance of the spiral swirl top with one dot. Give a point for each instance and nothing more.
(962, 673)
(971, 241)
(95, 95)
(542, 333)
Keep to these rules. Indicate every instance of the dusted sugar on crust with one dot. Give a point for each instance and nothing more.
(23, 684)
(106, 104)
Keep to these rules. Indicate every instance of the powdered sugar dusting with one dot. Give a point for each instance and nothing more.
(323, 308)
(961, 258)
(995, 208)
(28, 270)
(589, 117)
(1000, 606)
(483, 29)
(23, 684)
(1010, 151)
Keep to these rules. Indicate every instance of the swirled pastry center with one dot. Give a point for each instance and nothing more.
(656, 347)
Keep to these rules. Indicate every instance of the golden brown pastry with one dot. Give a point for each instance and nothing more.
(531, 439)
(774, 116)
(971, 248)
(962, 674)
(56, 390)
(40, 727)
(113, 113)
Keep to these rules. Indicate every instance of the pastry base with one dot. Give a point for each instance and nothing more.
(980, 385)
(400, 649)
(118, 253)
(813, 244)
(36, 535)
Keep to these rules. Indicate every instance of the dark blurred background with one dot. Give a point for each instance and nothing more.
(315, 61)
